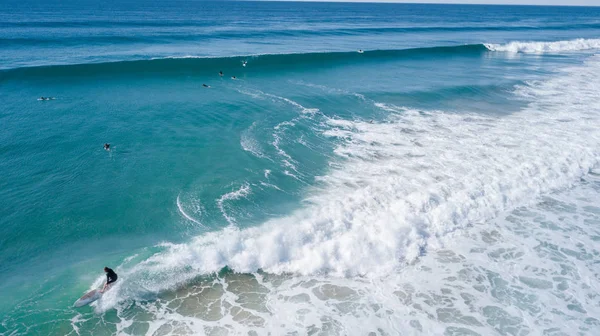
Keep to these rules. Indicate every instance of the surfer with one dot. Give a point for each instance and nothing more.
(244, 63)
(107, 146)
(360, 51)
(206, 86)
(233, 77)
(221, 73)
(111, 277)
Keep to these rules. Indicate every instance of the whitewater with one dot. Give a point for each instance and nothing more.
(266, 178)
(413, 195)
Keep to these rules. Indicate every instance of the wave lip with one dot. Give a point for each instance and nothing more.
(258, 62)
(545, 47)
(199, 64)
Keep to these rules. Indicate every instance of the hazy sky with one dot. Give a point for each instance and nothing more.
(507, 2)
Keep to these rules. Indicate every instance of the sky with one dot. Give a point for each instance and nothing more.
(502, 2)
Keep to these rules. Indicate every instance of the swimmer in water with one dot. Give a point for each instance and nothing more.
(107, 146)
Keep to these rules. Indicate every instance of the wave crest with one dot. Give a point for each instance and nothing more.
(546, 47)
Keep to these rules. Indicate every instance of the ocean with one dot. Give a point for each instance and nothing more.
(358, 169)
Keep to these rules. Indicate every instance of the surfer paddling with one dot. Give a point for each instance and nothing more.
(111, 277)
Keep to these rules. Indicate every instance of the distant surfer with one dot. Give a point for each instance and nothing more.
(45, 98)
(111, 277)
(107, 146)
(233, 77)
(221, 73)
(360, 51)
(206, 86)
(244, 63)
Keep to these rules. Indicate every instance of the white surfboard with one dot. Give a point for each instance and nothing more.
(88, 298)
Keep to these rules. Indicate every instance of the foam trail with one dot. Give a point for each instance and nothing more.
(259, 94)
(303, 109)
(280, 128)
(184, 214)
(270, 185)
(388, 107)
(546, 47)
(330, 90)
(74, 321)
(243, 191)
(250, 144)
(255, 95)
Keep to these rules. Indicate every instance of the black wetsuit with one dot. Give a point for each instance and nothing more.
(111, 276)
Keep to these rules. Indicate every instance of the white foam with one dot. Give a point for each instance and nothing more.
(527, 272)
(388, 107)
(258, 94)
(290, 174)
(184, 214)
(303, 109)
(546, 47)
(242, 192)
(77, 319)
(422, 175)
(255, 95)
(280, 129)
(404, 191)
(330, 90)
(270, 185)
(250, 144)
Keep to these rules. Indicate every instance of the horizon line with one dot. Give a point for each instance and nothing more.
(400, 2)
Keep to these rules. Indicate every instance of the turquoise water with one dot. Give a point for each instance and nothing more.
(444, 181)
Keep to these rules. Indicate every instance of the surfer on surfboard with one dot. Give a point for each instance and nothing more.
(96, 294)
(111, 277)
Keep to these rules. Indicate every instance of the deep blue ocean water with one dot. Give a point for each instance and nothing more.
(444, 180)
